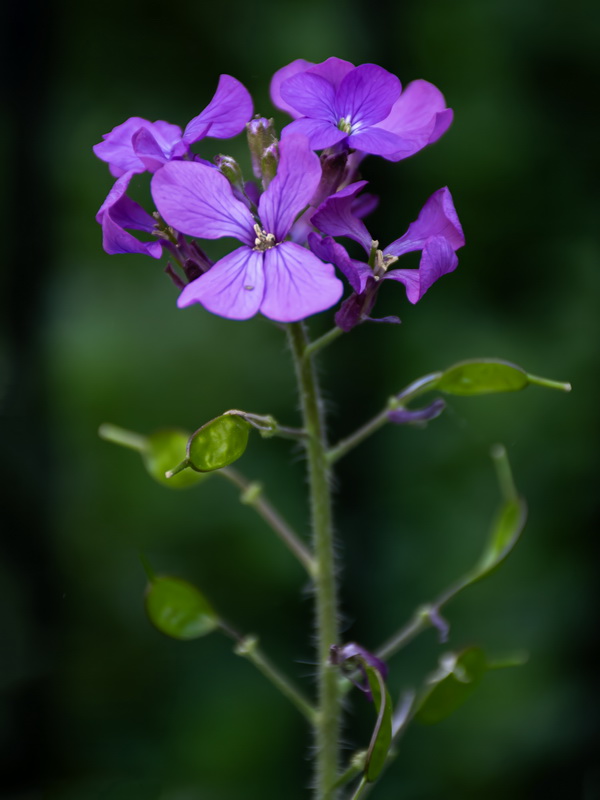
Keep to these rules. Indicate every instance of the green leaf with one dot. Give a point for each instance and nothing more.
(381, 740)
(163, 449)
(457, 678)
(178, 609)
(218, 443)
(482, 376)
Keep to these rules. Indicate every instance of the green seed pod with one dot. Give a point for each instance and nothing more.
(178, 609)
(162, 451)
(218, 443)
(483, 376)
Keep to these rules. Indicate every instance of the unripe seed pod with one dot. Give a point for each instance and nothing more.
(163, 449)
(177, 609)
(218, 443)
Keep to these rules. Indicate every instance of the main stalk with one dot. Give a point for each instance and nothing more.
(328, 714)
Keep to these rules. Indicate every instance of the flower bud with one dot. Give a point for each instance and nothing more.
(229, 167)
(269, 163)
(218, 443)
(261, 134)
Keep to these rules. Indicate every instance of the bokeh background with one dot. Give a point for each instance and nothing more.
(95, 703)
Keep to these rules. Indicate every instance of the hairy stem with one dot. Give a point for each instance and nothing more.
(328, 722)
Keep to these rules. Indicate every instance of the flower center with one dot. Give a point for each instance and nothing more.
(344, 124)
(264, 241)
(382, 262)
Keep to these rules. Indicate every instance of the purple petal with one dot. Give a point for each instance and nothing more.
(406, 416)
(297, 284)
(226, 114)
(438, 217)
(198, 200)
(335, 216)
(366, 95)
(333, 70)
(299, 65)
(320, 133)
(437, 259)
(354, 650)
(117, 148)
(298, 175)
(116, 239)
(119, 212)
(354, 310)
(147, 150)
(377, 142)
(415, 109)
(328, 250)
(365, 205)
(310, 95)
(443, 120)
(232, 288)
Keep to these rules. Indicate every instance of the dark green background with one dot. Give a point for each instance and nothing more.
(95, 703)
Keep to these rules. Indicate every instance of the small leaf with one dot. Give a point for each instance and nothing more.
(162, 451)
(178, 609)
(218, 443)
(381, 740)
(482, 376)
(457, 678)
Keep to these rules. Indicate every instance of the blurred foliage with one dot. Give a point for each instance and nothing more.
(96, 703)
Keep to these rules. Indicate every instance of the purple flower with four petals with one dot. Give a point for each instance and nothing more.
(362, 108)
(437, 232)
(279, 278)
(138, 145)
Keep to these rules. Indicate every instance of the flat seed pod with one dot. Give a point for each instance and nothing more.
(218, 443)
(178, 609)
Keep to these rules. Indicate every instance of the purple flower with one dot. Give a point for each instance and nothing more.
(352, 656)
(138, 145)
(281, 279)
(118, 214)
(363, 108)
(437, 232)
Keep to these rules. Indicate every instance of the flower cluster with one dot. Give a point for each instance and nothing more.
(286, 220)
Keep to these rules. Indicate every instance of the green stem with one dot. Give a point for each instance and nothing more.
(322, 341)
(407, 395)
(248, 647)
(360, 788)
(253, 495)
(345, 445)
(328, 722)
(116, 435)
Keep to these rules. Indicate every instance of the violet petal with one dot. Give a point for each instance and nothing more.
(198, 200)
(232, 288)
(376, 141)
(406, 416)
(320, 133)
(438, 258)
(297, 284)
(438, 217)
(311, 95)
(299, 65)
(227, 113)
(357, 272)
(335, 216)
(414, 112)
(290, 191)
(117, 148)
(366, 95)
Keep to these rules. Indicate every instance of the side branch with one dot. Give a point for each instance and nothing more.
(252, 495)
